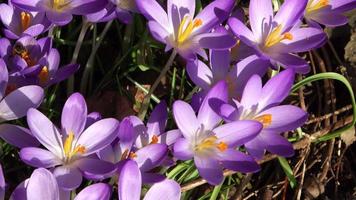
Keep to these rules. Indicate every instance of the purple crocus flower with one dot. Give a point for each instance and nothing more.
(32, 61)
(98, 191)
(41, 185)
(277, 38)
(178, 28)
(18, 22)
(236, 77)
(2, 184)
(262, 104)
(123, 149)
(328, 12)
(69, 149)
(213, 146)
(130, 186)
(60, 12)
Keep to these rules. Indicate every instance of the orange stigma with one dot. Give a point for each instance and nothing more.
(222, 146)
(132, 155)
(154, 139)
(266, 120)
(25, 20)
(276, 36)
(44, 75)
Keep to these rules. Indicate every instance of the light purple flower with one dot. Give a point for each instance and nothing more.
(41, 185)
(120, 9)
(18, 22)
(60, 12)
(130, 186)
(34, 62)
(262, 104)
(2, 184)
(189, 35)
(328, 12)
(98, 191)
(69, 150)
(213, 146)
(278, 38)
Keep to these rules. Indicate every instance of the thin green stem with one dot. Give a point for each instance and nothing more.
(146, 101)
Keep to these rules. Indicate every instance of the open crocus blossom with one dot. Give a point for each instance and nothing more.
(179, 29)
(69, 148)
(130, 186)
(98, 191)
(262, 104)
(328, 12)
(213, 146)
(123, 148)
(277, 38)
(60, 12)
(34, 62)
(18, 22)
(41, 185)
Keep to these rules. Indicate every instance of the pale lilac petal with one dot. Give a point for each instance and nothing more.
(59, 18)
(92, 168)
(4, 77)
(260, 15)
(330, 19)
(31, 5)
(256, 147)
(42, 185)
(170, 137)
(185, 118)
(74, 115)
(83, 7)
(98, 135)
(277, 144)
(209, 169)
(182, 149)
(17, 136)
(220, 63)
(242, 32)
(150, 178)
(16, 104)
(158, 32)
(200, 74)
(289, 13)
(292, 61)
(45, 132)
(239, 132)
(130, 181)
(38, 157)
(153, 11)
(206, 115)
(126, 134)
(20, 191)
(177, 10)
(252, 92)
(216, 40)
(68, 177)
(164, 190)
(150, 156)
(98, 191)
(237, 161)
(2, 184)
(158, 119)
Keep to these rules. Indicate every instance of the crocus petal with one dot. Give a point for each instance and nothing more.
(158, 119)
(237, 161)
(242, 32)
(170, 137)
(126, 134)
(74, 115)
(130, 181)
(238, 132)
(277, 144)
(228, 112)
(31, 5)
(16, 104)
(38, 157)
(209, 169)
(177, 10)
(277, 89)
(63, 73)
(98, 135)
(185, 118)
(330, 19)
(17, 136)
(5, 46)
(150, 156)
(182, 149)
(164, 190)
(153, 11)
(83, 7)
(220, 63)
(285, 118)
(290, 12)
(92, 118)
(53, 59)
(2, 184)
(206, 114)
(200, 74)
(256, 147)
(6, 14)
(42, 185)
(292, 61)
(98, 191)
(68, 177)
(93, 168)
(252, 91)
(216, 40)
(45, 132)
(260, 13)
(150, 178)
(59, 18)
(4, 77)
(158, 32)
(20, 191)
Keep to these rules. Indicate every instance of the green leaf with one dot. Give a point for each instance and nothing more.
(143, 68)
(288, 171)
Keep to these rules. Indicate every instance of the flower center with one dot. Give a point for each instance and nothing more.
(316, 6)
(21, 51)
(25, 20)
(184, 31)
(266, 120)
(60, 5)
(44, 75)
(276, 37)
(69, 150)
(154, 139)
(210, 143)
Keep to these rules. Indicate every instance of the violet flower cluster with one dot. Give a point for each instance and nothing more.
(230, 122)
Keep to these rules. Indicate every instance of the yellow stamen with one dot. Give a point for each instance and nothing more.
(25, 20)
(154, 139)
(276, 37)
(59, 5)
(184, 34)
(68, 152)
(266, 120)
(210, 143)
(320, 4)
(44, 75)
(132, 155)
